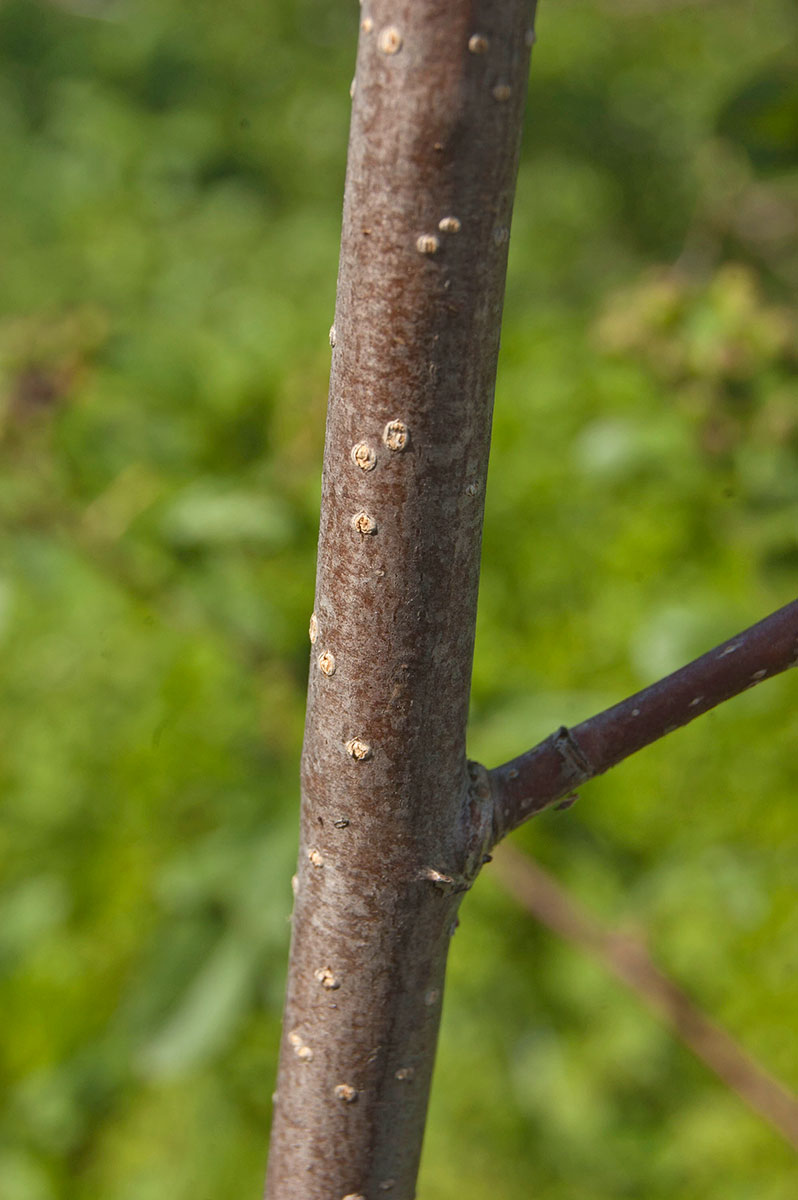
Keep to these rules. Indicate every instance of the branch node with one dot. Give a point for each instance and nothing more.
(326, 977)
(390, 40)
(479, 810)
(396, 435)
(572, 754)
(478, 43)
(437, 877)
(326, 663)
(301, 1049)
(363, 522)
(358, 749)
(364, 456)
(428, 243)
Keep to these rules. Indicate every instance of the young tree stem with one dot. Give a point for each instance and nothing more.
(393, 825)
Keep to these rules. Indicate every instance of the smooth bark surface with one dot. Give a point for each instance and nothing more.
(394, 824)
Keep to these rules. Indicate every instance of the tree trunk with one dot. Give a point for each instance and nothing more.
(395, 824)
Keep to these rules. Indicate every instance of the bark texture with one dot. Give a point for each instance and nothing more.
(395, 823)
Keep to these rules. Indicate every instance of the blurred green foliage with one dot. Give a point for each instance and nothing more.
(168, 237)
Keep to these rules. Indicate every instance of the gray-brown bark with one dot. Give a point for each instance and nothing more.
(393, 826)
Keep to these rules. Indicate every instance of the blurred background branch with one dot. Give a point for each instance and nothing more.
(626, 957)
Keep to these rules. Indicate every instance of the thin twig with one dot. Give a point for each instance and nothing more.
(570, 757)
(537, 892)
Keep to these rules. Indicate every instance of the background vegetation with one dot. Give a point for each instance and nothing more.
(169, 220)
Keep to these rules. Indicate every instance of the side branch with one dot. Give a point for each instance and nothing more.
(550, 771)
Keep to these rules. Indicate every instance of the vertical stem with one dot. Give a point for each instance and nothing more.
(394, 824)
